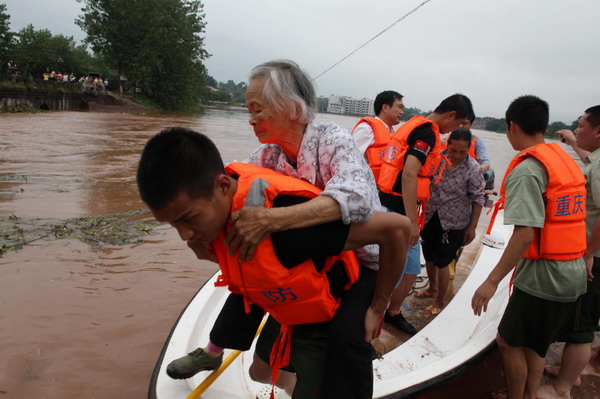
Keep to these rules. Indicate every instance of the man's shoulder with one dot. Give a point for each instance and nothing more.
(529, 165)
(364, 127)
(424, 128)
(530, 169)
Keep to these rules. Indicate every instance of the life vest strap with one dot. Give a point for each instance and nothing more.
(445, 161)
(221, 281)
(421, 213)
(495, 208)
(280, 354)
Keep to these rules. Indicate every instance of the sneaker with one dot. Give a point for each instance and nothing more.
(400, 323)
(193, 363)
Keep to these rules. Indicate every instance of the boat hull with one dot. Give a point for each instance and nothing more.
(453, 342)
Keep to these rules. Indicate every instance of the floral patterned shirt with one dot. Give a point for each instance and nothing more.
(329, 159)
(455, 193)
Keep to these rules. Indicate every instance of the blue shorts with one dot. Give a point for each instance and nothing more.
(413, 257)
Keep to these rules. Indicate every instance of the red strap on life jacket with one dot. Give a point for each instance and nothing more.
(496, 207)
(445, 161)
(510, 283)
(421, 213)
(221, 281)
(280, 354)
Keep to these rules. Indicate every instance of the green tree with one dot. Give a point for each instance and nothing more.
(237, 90)
(494, 124)
(555, 127)
(156, 44)
(36, 50)
(210, 81)
(6, 36)
(410, 112)
(322, 104)
(574, 125)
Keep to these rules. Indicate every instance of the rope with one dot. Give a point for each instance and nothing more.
(373, 38)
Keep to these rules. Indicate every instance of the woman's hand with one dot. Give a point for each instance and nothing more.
(251, 225)
(469, 235)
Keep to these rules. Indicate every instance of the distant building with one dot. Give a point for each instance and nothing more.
(350, 106)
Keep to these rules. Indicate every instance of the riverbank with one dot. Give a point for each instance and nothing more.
(46, 96)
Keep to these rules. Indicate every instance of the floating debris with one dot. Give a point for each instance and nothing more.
(120, 228)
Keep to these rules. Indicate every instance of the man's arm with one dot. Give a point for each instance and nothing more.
(593, 245)
(409, 194)
(475, 186)
(391, 231)
(482, 155)
(520, 240)
(568, 137)
(363, 137)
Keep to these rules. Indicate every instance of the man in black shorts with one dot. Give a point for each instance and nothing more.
(544, 195)
(182, 179)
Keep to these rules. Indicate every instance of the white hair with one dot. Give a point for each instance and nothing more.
(288, 89)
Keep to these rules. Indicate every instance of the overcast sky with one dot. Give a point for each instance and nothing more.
(491, 50)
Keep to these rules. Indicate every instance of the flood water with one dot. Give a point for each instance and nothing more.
(79, 321)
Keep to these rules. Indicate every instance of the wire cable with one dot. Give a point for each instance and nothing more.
(373, 38)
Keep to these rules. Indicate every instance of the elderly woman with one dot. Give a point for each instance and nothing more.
(282, 104)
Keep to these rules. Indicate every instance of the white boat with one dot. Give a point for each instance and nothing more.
(453, 342)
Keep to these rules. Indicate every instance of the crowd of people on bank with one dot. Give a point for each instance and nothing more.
(90, 82)
(325, 196)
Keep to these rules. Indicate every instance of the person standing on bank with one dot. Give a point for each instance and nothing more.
(281, 99)
(582, 324)
(372, 134)
(452, 215)
(543, 194)
(412, 157)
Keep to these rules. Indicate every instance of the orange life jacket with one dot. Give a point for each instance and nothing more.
(299, 295)
(472, 153)
(393, 163)
(376, 151)
(563, 236)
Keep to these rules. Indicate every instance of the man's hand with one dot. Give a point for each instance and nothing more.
(567, 136)
(469, 235)
(482, 297)
(589, 263)
(415, 234)
(251, 226)
(203, 250)
(373, 320)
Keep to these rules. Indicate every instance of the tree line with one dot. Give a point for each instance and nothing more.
(156, 45)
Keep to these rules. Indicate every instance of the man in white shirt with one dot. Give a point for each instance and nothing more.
(389, 108)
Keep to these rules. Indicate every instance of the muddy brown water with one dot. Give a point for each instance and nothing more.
(81, 321)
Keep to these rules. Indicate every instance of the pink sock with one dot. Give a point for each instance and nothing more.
(214, 348)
